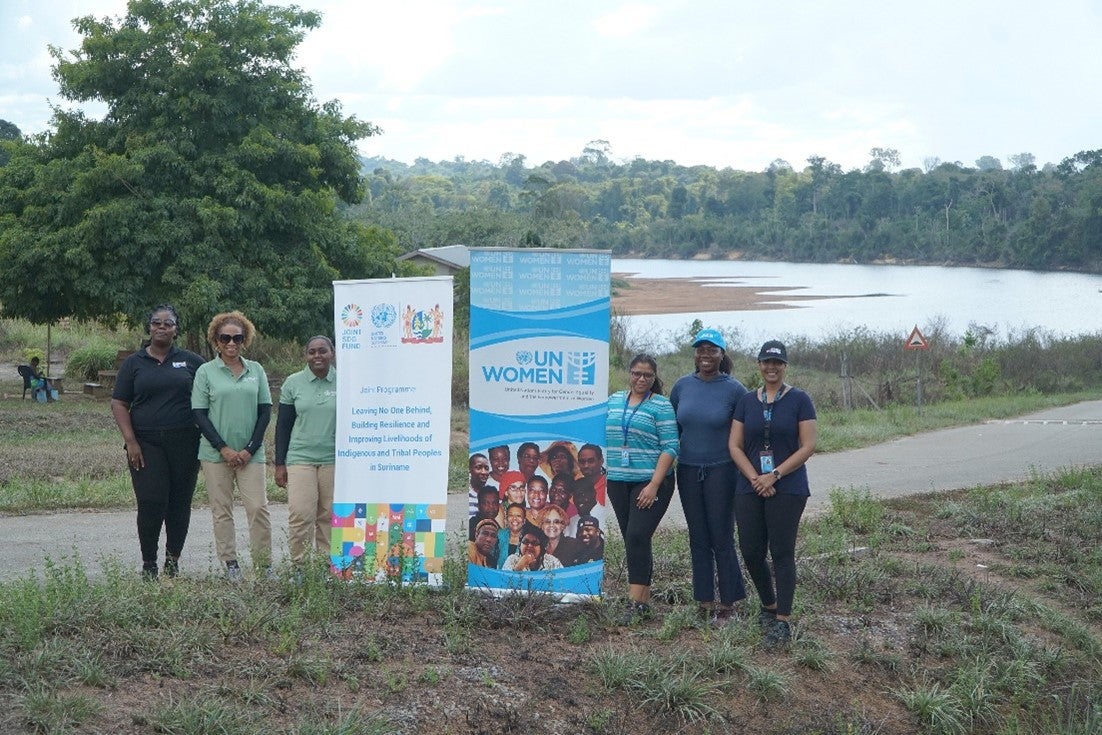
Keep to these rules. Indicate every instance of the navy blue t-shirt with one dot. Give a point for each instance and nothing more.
(704, 412)
(793, 407)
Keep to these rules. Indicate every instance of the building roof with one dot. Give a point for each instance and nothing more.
(456, 256)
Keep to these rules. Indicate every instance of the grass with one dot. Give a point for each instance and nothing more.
(902, 637)
(926, 647)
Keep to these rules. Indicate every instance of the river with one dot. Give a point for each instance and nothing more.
(889, 299)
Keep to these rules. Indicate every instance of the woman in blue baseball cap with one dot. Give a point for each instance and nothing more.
(772, 437)
(706, 475)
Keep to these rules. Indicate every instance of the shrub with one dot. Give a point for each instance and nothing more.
(86, 362)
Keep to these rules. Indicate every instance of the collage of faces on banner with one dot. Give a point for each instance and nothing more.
(536, 508)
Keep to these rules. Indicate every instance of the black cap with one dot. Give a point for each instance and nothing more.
(773, 350)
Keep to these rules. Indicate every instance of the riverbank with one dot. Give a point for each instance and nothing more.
(691, 295)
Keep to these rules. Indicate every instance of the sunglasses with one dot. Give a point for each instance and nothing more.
(162, 323)
(227, 338)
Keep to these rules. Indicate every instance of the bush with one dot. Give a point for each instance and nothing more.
(85, 363)
(29, 353)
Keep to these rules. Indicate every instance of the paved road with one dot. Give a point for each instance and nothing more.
(984, 454)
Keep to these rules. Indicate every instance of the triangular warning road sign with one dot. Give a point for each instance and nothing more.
(916, 341)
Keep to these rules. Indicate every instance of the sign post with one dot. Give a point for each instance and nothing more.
(917, 343)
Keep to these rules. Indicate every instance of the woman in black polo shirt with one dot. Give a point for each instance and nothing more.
(152, 406)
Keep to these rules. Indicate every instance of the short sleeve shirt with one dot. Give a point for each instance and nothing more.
(793, 407)
(705, 409)
(314, 434)
(231, 404)
(158, 393)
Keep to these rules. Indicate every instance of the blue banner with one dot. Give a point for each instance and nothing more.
(538, 395)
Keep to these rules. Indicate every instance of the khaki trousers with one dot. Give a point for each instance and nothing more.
(219, 478)
(309, 508)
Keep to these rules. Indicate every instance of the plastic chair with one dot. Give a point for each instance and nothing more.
(26, 372)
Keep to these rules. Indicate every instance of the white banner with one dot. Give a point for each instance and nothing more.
(394, 362)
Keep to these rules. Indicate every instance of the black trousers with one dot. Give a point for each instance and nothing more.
(638, 524)
(708, 500)
(770, 525)
(164, 488)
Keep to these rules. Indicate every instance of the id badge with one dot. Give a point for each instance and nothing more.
(625, 457)
(766, 459)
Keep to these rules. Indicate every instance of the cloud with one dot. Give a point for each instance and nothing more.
(626, 21)
(387, 47)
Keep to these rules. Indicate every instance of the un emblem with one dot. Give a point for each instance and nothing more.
(524, 357)
(383, 315)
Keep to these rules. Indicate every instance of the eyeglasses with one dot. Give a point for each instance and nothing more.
(162, 323)
(530, 542)
(554, 522)
(640, 375)
(227, 338)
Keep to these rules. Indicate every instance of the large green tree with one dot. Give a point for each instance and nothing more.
(213, 180)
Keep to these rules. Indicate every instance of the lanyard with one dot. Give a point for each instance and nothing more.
(767, 413)
(625, 419)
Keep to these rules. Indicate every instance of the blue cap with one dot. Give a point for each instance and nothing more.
(710, 335)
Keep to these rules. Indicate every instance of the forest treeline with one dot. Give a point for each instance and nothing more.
(1017, 215)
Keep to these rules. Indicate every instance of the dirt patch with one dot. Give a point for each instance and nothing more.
(687, 295)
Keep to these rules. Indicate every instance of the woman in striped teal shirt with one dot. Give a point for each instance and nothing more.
(641, 437)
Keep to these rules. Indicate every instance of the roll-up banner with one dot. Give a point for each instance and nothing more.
(394, 368)
(538, 395)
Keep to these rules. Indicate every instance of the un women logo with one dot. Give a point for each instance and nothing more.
(581, 368)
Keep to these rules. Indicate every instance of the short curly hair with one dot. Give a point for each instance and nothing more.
(230, 317)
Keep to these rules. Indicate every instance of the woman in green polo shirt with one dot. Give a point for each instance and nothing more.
(233, 405)
(305, 449)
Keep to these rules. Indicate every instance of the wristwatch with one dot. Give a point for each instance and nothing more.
(777, 474)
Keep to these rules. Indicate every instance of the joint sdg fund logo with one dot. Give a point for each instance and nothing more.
(351, 316)
(546, 367)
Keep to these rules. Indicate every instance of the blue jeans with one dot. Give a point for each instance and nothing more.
(708, 500)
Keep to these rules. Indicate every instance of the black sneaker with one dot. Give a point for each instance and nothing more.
(234, 573)
(766, 618)
(635, 612)
(149, 572)
(779, 634)
(172, 567)
(723, 615)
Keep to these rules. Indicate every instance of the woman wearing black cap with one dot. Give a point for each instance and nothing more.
(772, 436)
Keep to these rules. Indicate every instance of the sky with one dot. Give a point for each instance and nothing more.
(724, 83)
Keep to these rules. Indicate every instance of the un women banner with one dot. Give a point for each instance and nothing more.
(538, 394)
(394, 367)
